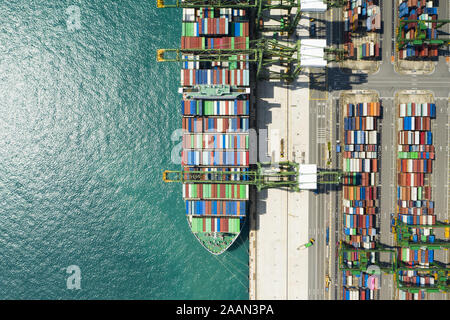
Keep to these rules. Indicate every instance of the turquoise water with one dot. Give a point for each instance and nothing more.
(86, 117)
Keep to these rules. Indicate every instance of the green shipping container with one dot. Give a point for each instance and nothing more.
(197, 225)
(234, 225)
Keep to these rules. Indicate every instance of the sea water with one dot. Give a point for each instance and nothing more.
(86, 120)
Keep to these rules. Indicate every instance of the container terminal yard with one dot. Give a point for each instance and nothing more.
(323, 124)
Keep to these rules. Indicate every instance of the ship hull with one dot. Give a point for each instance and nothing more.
(216, 243)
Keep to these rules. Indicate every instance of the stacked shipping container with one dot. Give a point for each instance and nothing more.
(360, 165)
(418, 10)
(361, 16)
(414, 202)
(212, 28)
(360, 194)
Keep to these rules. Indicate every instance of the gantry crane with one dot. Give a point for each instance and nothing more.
(420, 34)
(287, 23)
(403, 235)
(440, 274)
(263, 52)
(363, 260)
(265, 175)
(234, 4)
(403, 238)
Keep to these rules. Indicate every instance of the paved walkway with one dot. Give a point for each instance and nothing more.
(282, 216)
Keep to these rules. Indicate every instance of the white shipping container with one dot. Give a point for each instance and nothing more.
(373, 137)
(425, 110)
(413, 193)
(409, 165)
(403, 110)
(407, 254)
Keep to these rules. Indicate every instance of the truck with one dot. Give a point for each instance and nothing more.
(306, 245)
(447, 231)
(310, 243)
(392, 223)
(312, 30)
(327, 282)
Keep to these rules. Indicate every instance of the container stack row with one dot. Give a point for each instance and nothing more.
(415, 163)
(215, 107)
(360, 167)
(418, 10)
(215, 127)
(415, 156)
(357, 294)
(359, 280)
(405, 295)
(413, 278)
(362, 51)
(351, 259)
(219, 124)
(419, 257)
(213, 28)
(361, 17)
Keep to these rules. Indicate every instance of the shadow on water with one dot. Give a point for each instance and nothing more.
(242, 238)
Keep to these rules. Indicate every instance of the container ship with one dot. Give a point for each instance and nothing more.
(215, 109)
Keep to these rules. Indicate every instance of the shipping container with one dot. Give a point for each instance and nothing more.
(216, 208)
